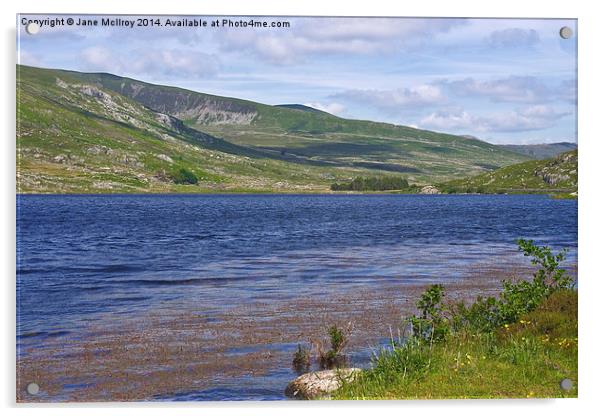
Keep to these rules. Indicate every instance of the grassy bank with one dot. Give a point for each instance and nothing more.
(526, 359)
(519, 345)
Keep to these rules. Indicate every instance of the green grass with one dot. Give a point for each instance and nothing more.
(526, 359)
(556, 175)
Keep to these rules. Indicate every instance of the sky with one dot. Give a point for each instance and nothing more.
(501, 80)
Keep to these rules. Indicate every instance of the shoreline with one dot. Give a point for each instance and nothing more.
(553, 193)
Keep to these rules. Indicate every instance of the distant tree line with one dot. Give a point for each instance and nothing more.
(372, 183)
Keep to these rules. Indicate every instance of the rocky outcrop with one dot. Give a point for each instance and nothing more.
(554, 178)
(186, 105)
(561, 170)
(164, 158)
(319, 384)
(429, 189)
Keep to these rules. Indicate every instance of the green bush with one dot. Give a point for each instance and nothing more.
(518, 298)
(431, 324)
(184, 176)
(487, 314)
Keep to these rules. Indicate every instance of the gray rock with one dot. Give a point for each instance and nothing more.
(319, 384)
(429, 189)
(96, 150)
(165, 158)
(554, 178)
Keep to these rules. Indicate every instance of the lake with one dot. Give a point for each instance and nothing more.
(90, 263)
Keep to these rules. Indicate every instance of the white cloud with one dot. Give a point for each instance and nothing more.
(517, 89)
(100, 58)
(152, 62)
(391, 100)
(513, 37)
(447, 120)
(27, 58)
(356, 36)
(332, 108)
(536, 117)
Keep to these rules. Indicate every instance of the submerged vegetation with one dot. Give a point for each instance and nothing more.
(301, 359)
(520, 344)
(333, 357)
(339, 339)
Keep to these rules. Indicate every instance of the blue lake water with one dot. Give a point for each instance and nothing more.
(81, 256)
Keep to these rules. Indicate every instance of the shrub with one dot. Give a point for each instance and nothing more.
(518, 298)
(431, 324)
(184, 176)
(478, 316)
(549, 274)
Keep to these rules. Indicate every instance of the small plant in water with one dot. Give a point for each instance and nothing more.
(339, 339)
(301, 360)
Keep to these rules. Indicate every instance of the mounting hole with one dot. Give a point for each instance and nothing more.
(33, 388)
(32, 28)
(566, 32)
(566, 384)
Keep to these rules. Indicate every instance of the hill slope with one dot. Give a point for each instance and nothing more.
(551, 175)
(82, 132)
(541, 151)
(78, 137)
(319, 136)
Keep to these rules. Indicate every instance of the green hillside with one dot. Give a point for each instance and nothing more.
(551, 175)
(82, 132)
(541, 151)
(317, 136)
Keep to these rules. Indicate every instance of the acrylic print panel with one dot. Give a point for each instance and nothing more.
(230, 207)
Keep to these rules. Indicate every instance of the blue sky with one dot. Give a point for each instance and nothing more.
(502, 80)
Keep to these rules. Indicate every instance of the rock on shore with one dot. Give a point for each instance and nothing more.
(319, 384)
(429, 189)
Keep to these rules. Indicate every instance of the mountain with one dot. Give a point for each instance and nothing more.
(80, 132)
(541, 151)
(558, 174)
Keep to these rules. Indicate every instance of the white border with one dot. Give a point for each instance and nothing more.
(590, 121)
